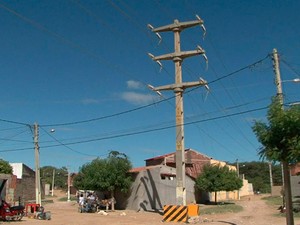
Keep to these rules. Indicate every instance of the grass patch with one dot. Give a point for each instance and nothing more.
(226, 208)
(277, 202)
(273, 200)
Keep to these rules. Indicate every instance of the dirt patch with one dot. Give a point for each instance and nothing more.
(256, 211)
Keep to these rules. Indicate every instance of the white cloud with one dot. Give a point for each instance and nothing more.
(137, 98)
(131, 84)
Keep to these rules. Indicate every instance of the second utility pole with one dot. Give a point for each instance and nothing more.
(38, 196)
(284, 163)
(178, 89)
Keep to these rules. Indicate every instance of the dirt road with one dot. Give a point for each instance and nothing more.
(65, 213)
(256, 211)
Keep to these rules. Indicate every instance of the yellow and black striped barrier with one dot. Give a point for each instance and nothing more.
(175, 213)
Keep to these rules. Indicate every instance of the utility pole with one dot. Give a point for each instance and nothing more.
(238, 175)
(38, 196)
(271, 176)
(69, 184)
(285, 164)
(53, 180)
(237, 167)
(178, 89)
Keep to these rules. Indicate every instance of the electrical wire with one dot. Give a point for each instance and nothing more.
(144, 131)
(12, 128)
(71, 44)
(62, 144)
(160, 124)
(14, 122)
(151, 104)
(189, 72)
(15, 135)
(233, 123)
(108, 116)
(290, 67)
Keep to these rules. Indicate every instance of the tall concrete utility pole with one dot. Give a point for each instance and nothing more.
(38, 196)
(178, 89)
(69, 185)
(271, 176)
(53, 181)
(285, 164)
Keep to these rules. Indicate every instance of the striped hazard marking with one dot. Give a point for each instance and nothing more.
(175, 213)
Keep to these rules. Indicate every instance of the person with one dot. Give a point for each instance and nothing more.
(91, 198)
(90, 202)
(81, 200)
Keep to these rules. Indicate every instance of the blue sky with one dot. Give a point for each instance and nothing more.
(81, 68)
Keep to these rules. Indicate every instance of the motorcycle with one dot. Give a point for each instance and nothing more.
(88, 207)
(8, 212)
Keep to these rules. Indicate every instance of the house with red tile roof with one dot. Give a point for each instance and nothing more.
(155, 184)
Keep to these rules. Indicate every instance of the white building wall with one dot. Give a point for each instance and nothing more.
(17, 169)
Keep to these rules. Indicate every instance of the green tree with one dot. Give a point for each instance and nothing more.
(280, 138)
(108, 174)
(60, 176)
(280, 141)
(5, 167)
(215, 178)
(258, 174)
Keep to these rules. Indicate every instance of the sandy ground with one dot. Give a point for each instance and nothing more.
(66, 213)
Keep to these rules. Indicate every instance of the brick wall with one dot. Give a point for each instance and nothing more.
(25, 189)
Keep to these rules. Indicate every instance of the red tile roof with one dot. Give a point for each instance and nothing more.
(143, 168)
(194, 162)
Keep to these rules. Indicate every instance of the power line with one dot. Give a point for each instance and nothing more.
(79, 47)
(14, 122)
(290, 67)
(154, 103)
(237, 127)
(184, 66)
(108, 116)
(190, 118)
(100, 21)
(12, 136)
(141, 132)
(70, 43)
(241, 69)
(62, 144)
(12, 128)
(229, 94)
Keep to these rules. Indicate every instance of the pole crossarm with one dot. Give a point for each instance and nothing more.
(178, 25)
(180, 86)
(179, 55)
